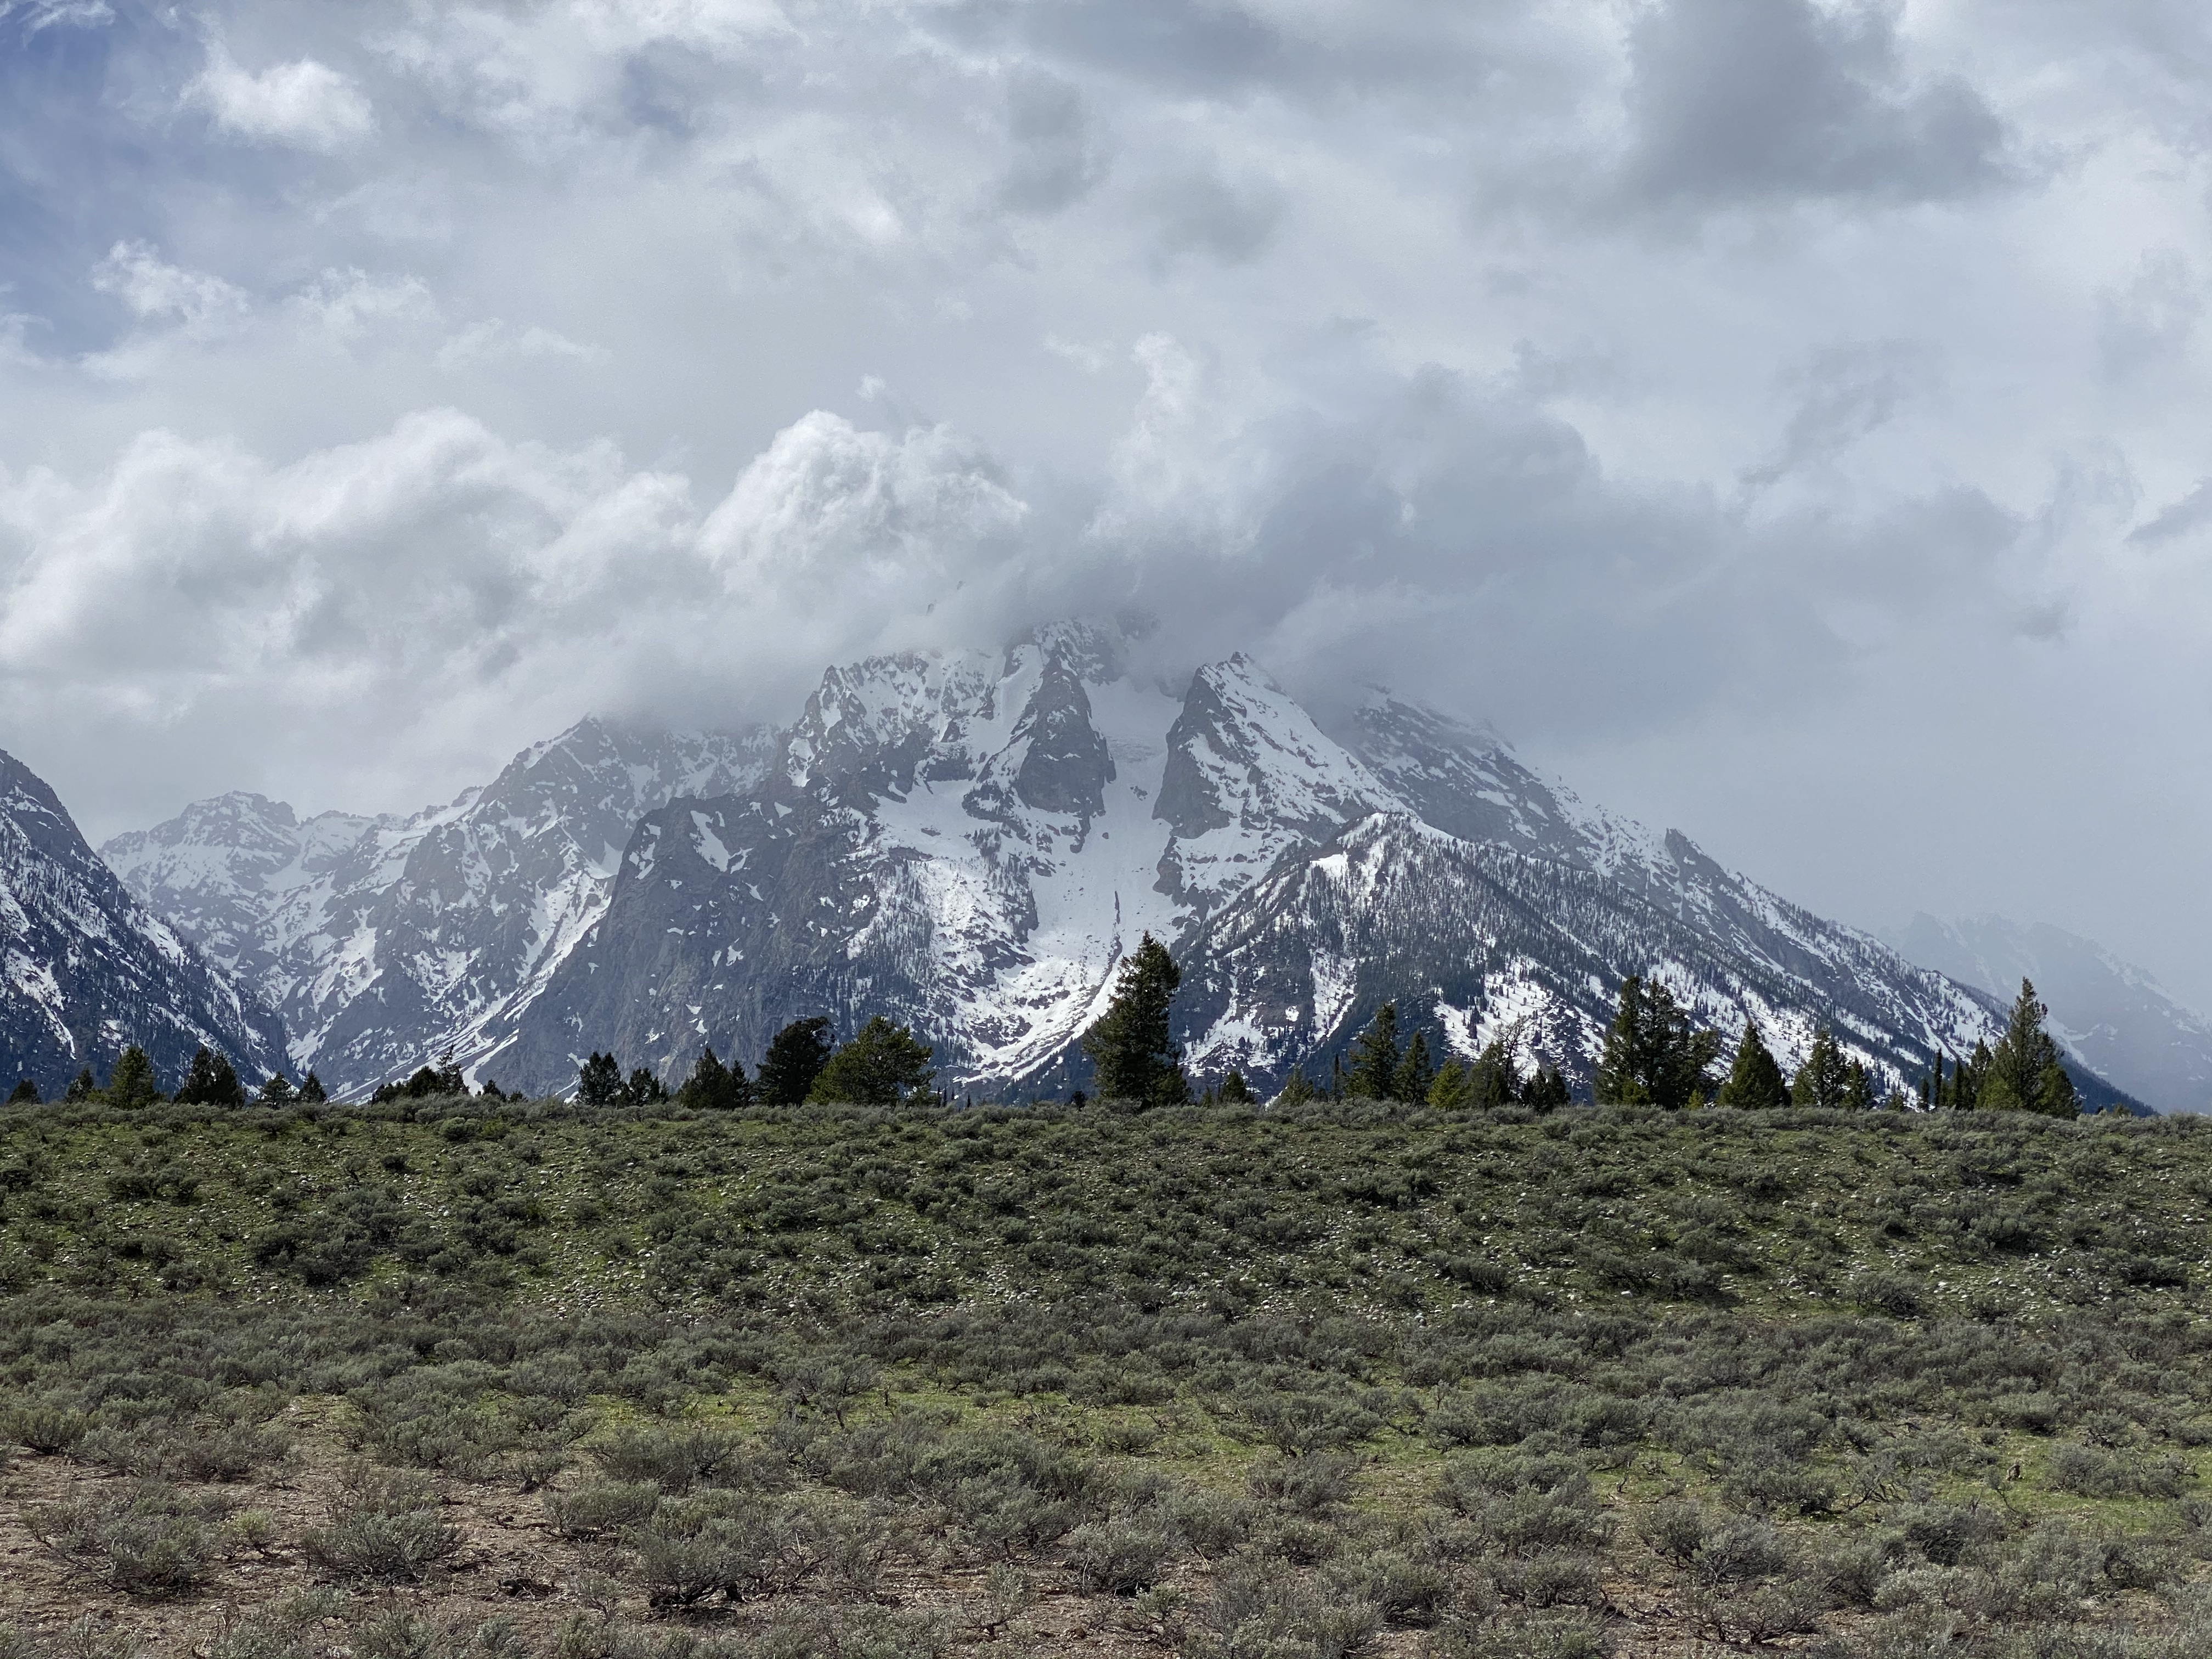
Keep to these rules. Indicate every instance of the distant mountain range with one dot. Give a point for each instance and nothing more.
(2112, 1017)
(385, 941)
(970, 842)
(86, 969)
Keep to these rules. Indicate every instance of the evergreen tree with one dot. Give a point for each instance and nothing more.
(1336, 1084)
(1654, 1056)
(1453, 1088)
(1820, 1081)
(1754, 1081)
(1235, 1091)
(82, 1086)
(1547, 1090)
(715, 1087)
(1858, 1088)
(1494, 1080)
(490, 1089)
(277, 1091)
(132, 1083)
(1375, 1058)
(1297, 1089)
(1415, 1072)
(599, 1080)
(1963, 1092)
(795, 1057)
(644, 1088)
(2025, 1072)
(884, 1064)
(311, 1090)
(1133, 1046)
(26, 1094)
(2056, 1095)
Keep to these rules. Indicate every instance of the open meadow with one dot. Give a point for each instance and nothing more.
(464, 1379)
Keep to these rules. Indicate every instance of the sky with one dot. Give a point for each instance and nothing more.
(1783, 418)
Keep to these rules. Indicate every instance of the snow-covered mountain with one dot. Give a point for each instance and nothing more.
(388, 941)
(86, 970)
(2112, 1017)
(971, 843)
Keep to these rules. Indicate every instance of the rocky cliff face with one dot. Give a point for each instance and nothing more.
(86, 970)
(971, 845)
(388, 941)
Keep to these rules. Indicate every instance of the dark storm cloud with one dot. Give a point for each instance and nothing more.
(1763, 102)
(1058, 154)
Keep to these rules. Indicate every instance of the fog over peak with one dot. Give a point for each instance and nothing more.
(1781, 417)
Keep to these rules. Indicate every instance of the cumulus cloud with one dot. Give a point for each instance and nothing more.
(1808, 380)
(303, 103)
(151, 287)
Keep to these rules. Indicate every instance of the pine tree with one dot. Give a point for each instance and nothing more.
(211, 1082)
(132, 1083)
(1415, 1072)
(1453, 1088)
(2025, 1072)
(884, 1064)
(1132, 1045)
(644, 1088)
(1235, 1091)
(1654, 1056)
(599, 1080)
(82, 1086)
(1754, 1081)
(1375, 1057)
(715, 1087)
(1493, 1080)
(795, 1057)
(1858, 1088)
(26, 1094)
(277, 1091)
(1821, 1081)
(1297, 1089)
(311, 1090)
(1547, 1091)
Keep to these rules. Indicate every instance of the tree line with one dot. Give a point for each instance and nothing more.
(210, 1079)
(1656, 1054)
(1653, 1053)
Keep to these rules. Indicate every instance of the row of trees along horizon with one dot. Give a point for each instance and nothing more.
(1654, 1053)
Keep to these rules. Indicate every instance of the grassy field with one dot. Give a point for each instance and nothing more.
(470, 1378)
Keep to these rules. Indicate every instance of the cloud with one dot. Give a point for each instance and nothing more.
(38, 15)
(2147, 322)
(1775, 102)
(1059, 156)
(1199, 210)
(303, 103)
(424, 587)
(153, 288)
(2182, 518)
(1844, 393)
(494, 340)
(347, 306)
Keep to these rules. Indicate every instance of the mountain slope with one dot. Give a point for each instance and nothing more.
(386, 941)
(2112, 1016)
(970, 846)
(85, 970)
